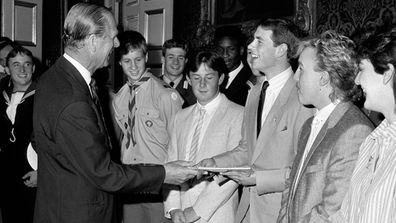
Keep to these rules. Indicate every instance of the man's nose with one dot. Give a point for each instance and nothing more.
(202, 83)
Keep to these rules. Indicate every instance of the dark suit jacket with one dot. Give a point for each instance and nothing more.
(319, 190)
(239, 89)
(76, 176)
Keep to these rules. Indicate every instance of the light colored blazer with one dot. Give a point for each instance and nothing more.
(222, 134)
(270, 155)
(327, 169)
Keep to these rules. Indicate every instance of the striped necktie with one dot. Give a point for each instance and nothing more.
(132, 110)
(196, 135)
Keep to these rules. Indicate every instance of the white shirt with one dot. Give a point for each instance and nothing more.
(233, 74)
(13, 105)
(81, 69)
(275, 86)
(210, 109)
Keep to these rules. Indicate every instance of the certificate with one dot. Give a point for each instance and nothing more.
(223, 169)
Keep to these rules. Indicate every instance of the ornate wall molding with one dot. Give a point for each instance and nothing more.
(305, 15)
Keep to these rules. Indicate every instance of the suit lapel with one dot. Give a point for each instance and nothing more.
(238, 81)
(73, 73)
(333, 119)
(304, 135)
(272, 119)
(184, 127)
(250, 117)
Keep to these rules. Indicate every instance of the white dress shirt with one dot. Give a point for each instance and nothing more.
(210, 109)
(275, 86)
(13, 105)
(233, 74)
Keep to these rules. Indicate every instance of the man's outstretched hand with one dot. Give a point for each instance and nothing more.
(178, 172)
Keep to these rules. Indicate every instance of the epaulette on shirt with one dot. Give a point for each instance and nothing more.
(167, 86)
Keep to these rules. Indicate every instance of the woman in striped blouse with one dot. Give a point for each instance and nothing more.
(372, 194)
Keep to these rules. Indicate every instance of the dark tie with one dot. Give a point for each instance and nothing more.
(172, 83)
(261, 105)
(132, 110)
(95, 99)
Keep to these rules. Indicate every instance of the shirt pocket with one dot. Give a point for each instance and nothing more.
(148, 113)
(150, 118)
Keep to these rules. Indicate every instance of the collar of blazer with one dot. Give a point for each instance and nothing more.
(66, 67)
(272, 120)
(333, 119)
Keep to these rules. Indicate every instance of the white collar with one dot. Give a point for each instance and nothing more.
(279, 80)
(233, 74)
(81, 69)
(212, 105)
(176, 82)
(323, 114)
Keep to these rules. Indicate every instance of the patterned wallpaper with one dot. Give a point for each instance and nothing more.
(346, 16)
(191, 21)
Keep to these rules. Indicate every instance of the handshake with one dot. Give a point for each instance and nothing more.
(178, 172)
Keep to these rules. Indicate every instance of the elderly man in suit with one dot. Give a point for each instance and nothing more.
(77, 177)
(210, 127)
(230, 41)
(174, 60)
(272, 120)
(329, 142)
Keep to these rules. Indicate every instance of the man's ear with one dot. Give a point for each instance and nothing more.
(324, 78)
(92, 42)
(188, 79)
(389, 74)
(221, 79)
(281, 50)
(146, 57)
(7, 70)
(163, 60)
(33, 69)
(241, 51)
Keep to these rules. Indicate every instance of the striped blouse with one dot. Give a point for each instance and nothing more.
(371, 196)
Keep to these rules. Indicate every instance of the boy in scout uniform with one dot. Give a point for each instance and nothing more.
(143, 109)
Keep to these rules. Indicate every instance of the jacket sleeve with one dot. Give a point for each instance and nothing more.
(172, 197)
(83, 144)
(238, 156)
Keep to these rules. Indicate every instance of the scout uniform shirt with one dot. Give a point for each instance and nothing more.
(156, 104)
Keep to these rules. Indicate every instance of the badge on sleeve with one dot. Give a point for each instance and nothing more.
(174, 96)
(149, 123)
